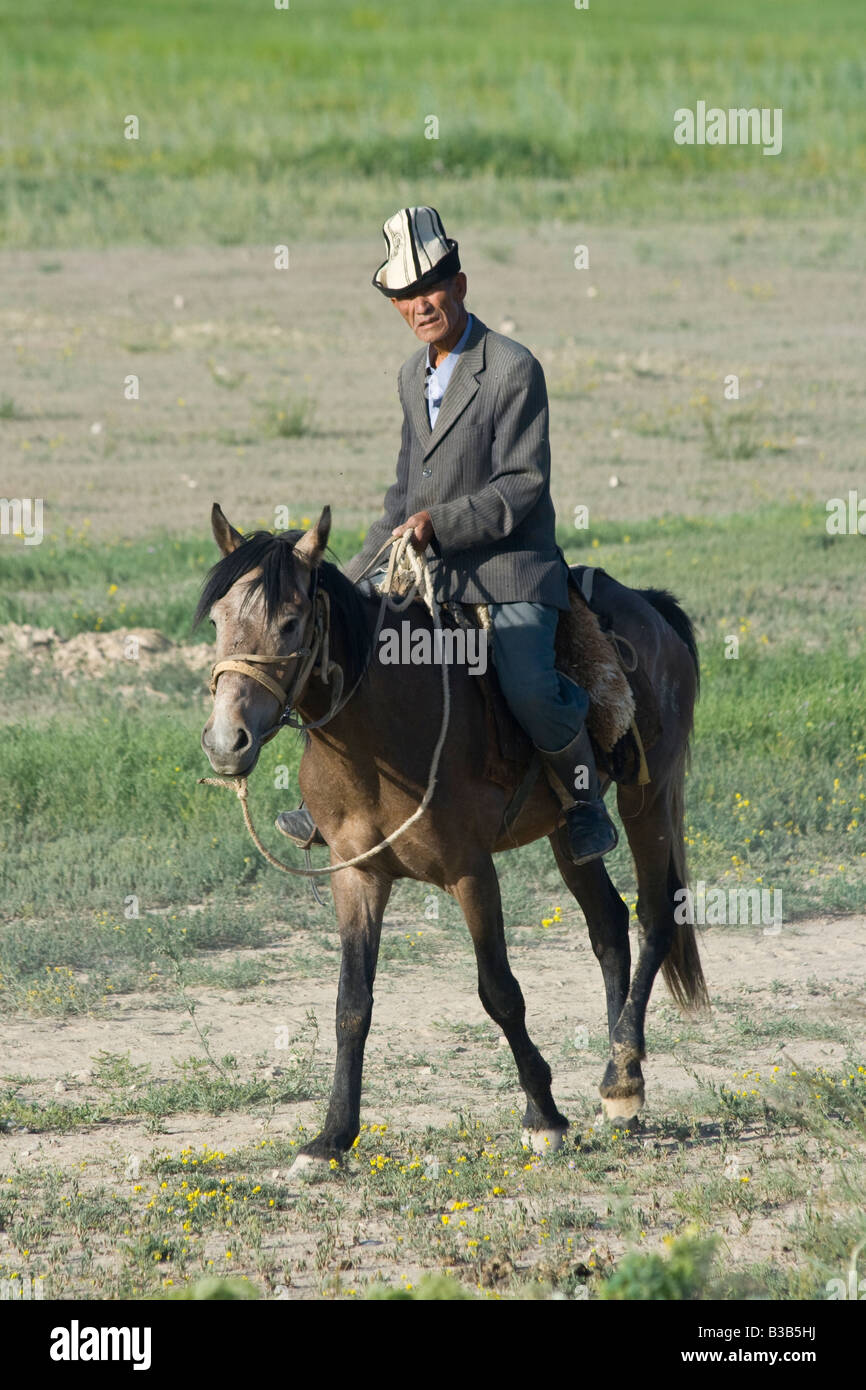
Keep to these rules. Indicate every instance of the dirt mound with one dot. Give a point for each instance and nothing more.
(95, 654)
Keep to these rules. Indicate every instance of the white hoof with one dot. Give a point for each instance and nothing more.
(305, 1166)
(543, 1141)
(622, 1108)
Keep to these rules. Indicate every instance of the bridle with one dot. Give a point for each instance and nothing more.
(315, 654)
(314, 657)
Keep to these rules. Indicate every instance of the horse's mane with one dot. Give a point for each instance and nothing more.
(664, 602)
(272, 554)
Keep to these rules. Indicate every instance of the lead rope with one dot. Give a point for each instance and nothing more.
(404, 555)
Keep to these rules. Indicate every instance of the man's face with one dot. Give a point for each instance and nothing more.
(435, 314)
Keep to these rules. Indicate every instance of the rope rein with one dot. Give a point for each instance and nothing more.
(404, 561)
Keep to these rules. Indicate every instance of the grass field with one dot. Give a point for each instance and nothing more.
(298, 120)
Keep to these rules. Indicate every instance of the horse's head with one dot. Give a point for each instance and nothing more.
(259, 598)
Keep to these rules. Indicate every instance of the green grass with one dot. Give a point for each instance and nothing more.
(544, 112)
(154, 1103)
(119, 1090)
(77, 583)
(682, 1274)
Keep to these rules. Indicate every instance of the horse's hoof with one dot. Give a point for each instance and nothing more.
(543, 1141)
(620, 1109)
(307, 1166)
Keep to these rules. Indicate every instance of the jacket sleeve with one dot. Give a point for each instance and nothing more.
(520, 472)
(395, 506)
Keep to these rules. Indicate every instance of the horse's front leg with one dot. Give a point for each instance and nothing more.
(360, 899)
(479, 897)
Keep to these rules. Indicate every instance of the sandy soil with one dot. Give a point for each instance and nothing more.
(633, 349)
(813, 971)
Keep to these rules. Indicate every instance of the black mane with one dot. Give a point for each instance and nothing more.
(664, 602)
(273, 555)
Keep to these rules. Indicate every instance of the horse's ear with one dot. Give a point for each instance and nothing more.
(311, 547)
(225, 535)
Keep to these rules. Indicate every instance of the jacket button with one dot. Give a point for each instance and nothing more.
(426, 472)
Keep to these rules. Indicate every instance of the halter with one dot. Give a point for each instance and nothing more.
(421, 584)
(314, 657)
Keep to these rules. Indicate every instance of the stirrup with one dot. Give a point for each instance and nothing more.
(299, 827)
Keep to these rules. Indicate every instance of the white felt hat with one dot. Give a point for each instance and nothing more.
(419, 254)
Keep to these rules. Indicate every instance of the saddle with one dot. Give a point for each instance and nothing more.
(623, 719)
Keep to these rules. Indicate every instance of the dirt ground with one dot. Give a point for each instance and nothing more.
(635, 351)
(420, 1011)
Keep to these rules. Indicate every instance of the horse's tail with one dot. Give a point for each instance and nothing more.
(681, 969)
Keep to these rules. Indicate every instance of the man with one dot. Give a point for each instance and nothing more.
(473, 487)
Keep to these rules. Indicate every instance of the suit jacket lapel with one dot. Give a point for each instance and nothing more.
(460, 389)
(418, 399)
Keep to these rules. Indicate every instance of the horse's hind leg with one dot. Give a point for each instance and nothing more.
(650, 831)
(607, 920)
(360, 900)
(479, 898)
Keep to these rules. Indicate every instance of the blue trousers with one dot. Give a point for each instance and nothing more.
(549, 706)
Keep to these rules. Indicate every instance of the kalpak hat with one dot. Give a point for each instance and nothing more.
(419, 254)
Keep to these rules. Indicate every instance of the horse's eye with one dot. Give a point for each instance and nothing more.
(211, 621)
(288, 625)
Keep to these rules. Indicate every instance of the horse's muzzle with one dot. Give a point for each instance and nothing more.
(231, 750)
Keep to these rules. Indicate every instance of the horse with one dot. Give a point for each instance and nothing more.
(364, 771)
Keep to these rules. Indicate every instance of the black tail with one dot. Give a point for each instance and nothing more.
(664, 602)
(682, 968)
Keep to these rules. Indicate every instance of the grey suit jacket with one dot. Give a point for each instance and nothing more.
(483, 474)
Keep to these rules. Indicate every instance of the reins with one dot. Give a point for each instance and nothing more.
(315, 657)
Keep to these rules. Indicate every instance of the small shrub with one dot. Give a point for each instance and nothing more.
(681, 1276)
(216, 1288)
(291, 420)
(431, 1287)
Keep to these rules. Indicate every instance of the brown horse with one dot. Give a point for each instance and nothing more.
(365, 769)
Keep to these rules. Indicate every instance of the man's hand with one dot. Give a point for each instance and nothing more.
(421, 526)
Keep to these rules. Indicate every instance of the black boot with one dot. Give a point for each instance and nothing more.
(591, 832)
(299, 826)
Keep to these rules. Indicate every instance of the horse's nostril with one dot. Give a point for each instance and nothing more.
(242, 741)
